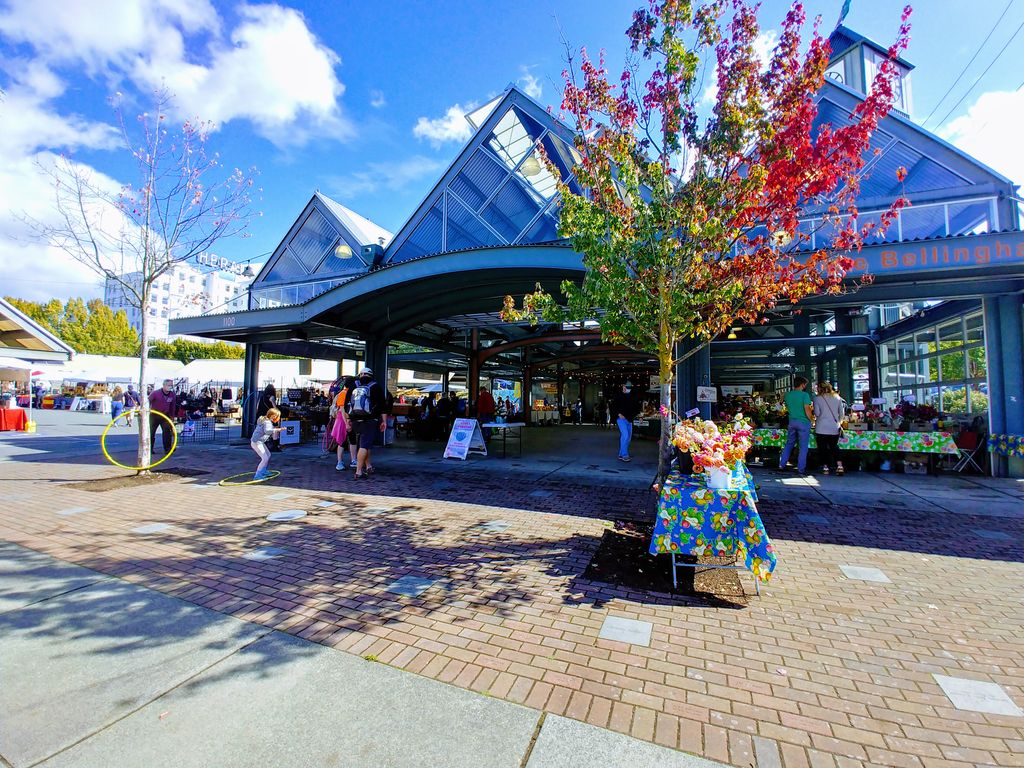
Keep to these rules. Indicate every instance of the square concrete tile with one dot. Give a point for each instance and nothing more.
(151, 528)
(27, 577)
(326, 504)
(286, 515)
(280, 496)
(565, 743)
(864, 573)
(626, 630)
(978, 696)
(410, 586)
(265, 553)
(496, 526)
(73, 511)
(540, 494)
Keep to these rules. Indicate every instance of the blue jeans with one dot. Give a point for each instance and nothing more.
(798, 431)
(625, 435)
(116, 408)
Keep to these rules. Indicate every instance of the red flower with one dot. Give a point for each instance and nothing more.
(901, 173)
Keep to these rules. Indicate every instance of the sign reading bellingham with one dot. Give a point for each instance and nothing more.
(940, 255)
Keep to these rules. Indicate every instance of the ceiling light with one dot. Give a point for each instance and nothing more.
(343, 251)
(530, 166)
(249, 271)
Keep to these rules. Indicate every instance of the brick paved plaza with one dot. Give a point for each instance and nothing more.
(820, 670)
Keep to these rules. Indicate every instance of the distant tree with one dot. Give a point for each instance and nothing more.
(90, 328)
(181, 205)
(187, 350)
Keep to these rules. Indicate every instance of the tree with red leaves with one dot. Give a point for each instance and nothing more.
(688, 223)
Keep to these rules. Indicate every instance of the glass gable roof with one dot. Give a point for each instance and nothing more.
(503, 194)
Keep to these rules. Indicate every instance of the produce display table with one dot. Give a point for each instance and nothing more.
(505, 430)
(12, 420)
(704, 522)
(909, 442)
(1007, 445)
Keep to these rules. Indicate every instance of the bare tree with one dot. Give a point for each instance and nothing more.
(182, 203)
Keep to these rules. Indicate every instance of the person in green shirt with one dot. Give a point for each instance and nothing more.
(800, 408)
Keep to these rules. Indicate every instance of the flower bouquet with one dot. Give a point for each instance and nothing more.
(715, 451)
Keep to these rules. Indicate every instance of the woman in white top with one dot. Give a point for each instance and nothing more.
(828, 415)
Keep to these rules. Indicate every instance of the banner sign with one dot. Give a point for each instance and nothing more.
(737, 389)
(289, 432)
(465, 438)
(707, 395)
(692, 412)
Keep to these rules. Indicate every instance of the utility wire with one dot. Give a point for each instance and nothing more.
(967, 65)
(978, 80)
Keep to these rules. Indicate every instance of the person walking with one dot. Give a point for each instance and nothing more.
(366, 405)
(799, 406)
(485, 409)
(165, 401)
(577, 412)
(828, 409)
(341, 429)
(265, 431)
(624, 410)
(116, 403)
(131, 402)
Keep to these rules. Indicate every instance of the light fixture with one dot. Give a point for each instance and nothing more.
(343, 251)
(530, 166)
(248, 271)
(732, 334)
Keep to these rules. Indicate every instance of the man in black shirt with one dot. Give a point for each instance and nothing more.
(366, 404)
(624, 411)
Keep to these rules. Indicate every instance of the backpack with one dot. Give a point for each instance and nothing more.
(361, 403)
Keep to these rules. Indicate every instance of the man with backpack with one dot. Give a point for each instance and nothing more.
(366, 404)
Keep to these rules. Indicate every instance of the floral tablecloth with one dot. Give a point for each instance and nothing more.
(696, 520)
(1007, 445)
(910, 442)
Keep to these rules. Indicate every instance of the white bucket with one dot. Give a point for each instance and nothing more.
(719, 478)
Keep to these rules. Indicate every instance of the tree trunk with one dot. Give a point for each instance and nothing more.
(145, 449)
(665, 379)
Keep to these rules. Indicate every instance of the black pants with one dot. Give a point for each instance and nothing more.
(828, 449)
(166, 432)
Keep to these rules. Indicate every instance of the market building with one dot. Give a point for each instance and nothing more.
(941, 322)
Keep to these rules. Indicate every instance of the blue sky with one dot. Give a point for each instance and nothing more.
(363, 100)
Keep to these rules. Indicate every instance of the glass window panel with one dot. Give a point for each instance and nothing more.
(978, 398)
(932, 368)
(545, 228)
(975, 328)
(286, 268)
(465, 230)
(969, 218)
(926, 341)
(426, 238)
(478, 179)
(977, 367)
(312, 240)
(514, 136)
(952, 367)
(512, 209)
(887, 353)
(337, 263)
(954, 399)
(927, 221)
(929, 396)
(905, 346)
(950, 333)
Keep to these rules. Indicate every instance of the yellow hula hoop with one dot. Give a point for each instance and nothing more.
(226, 482)
(116, 463)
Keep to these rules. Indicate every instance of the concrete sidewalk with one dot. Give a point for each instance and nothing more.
(99, 672)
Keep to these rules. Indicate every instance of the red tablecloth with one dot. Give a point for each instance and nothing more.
(12, 419)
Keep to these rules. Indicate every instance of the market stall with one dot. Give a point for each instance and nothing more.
(909, 442)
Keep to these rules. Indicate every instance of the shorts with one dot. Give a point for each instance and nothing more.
(366, 432)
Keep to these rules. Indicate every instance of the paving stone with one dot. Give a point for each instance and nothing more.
(410, 586)
(540, 493)
(326, 504)
(978, 696)
(864, 573)
(265, 553)
(992, 535)
(496, 526)
(565, 743)
(74, 511)
(27, 577)
(375, 510)
(626, 630)
(286, 515)
(152, 528)
(814, 519)
(280, 496)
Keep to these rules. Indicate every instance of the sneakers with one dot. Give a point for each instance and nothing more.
(340, 466)
(624, 458)
(262, 474)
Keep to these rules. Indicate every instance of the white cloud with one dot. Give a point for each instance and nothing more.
(391, 176)
(764, 44)
(530, 85)
(270, 69)
(377, 99)
(989, 132)
(453, 126)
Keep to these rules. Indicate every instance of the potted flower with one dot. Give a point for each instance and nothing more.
(715, 451)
